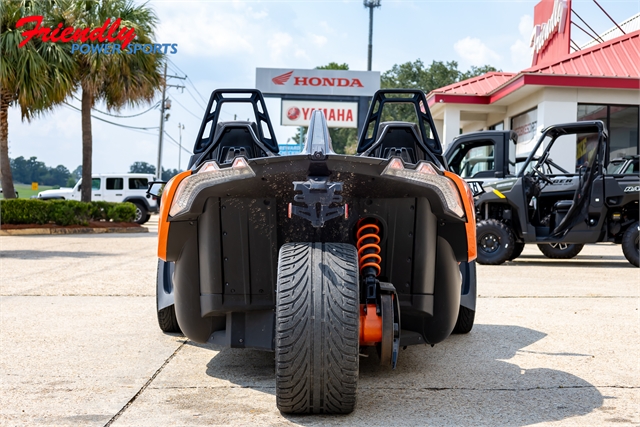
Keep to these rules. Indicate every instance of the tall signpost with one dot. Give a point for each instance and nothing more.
(371, 4)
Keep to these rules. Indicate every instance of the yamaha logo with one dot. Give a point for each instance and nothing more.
(293, 113)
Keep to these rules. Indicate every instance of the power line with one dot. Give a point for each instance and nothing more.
(176, 142)
(112, 123)
(194, 98)
(122, 117)
(189, 80)
(187, 110)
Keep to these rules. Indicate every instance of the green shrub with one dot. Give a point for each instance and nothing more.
(100, 211)
(63, 212)
(122, 212)
(24, 211)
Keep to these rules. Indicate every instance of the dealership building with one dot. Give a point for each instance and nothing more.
(600, 81)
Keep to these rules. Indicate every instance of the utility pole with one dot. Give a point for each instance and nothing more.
(165, 104)
(371, 4)
(164, 93)
(180, 128)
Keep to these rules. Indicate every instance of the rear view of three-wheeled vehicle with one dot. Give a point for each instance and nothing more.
(317, 255)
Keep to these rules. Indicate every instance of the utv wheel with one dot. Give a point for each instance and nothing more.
(142, 215)
(168, 321)
(317, 328)
(518, 247)
(495, 242)
(560, 250)
(464, 324)
(630, 244)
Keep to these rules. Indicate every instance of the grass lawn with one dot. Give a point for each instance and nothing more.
(25, 191)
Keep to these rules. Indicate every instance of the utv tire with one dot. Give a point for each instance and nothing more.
(495, 242)
(142, 215)
(317, 328)
(560, 250)
(518, 247)
(168, 321)
(630, 244)
(464, 324)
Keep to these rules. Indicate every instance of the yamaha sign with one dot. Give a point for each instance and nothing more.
(287, 81)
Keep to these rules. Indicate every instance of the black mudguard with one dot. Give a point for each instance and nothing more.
(186, 280)
(469, 286)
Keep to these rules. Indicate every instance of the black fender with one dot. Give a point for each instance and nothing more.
(164, 285)
(446, 295)
(186, 281)
(141, 199)
(469, 292)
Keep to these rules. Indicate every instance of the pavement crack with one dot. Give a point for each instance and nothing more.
(144, 387)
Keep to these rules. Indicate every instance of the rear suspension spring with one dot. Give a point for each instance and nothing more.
(368, 245)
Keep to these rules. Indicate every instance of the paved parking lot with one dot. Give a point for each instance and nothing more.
(555, 343)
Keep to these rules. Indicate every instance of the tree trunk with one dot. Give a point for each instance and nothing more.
(87, 145)
(8, 192)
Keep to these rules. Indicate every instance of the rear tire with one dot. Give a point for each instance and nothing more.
(168, 321)
(630, 244)
(561, 250)
(495, 242)
(317, 328)
(142, 214)
(464, 324)
(518, 247)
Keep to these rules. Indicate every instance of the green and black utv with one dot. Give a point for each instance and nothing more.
(544, 198)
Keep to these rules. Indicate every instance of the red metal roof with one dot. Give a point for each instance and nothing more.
(619, 57)
(614, 64)
(480, 85)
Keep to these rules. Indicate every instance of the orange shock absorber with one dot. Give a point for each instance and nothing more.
(368, 245)
(368, 239)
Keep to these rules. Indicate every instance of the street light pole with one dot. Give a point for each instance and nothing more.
(164, 92)
(180, 128)
(371, 4)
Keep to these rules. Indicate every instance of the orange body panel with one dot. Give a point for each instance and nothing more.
(470, 213)
(163, 222)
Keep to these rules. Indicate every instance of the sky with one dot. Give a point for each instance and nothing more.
(220, 44)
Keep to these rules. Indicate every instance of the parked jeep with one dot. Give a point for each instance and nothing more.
(124, 187)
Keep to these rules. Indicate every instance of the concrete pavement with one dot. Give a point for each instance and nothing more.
(555, 343)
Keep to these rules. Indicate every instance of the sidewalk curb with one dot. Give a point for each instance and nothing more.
(84, 230)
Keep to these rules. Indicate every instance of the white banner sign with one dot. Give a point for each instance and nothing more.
(288, 81)
(338, 114)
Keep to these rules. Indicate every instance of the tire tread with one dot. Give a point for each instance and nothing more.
(317, 328)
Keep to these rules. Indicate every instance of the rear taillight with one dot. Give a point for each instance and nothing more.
(208, 175)
(426, 174)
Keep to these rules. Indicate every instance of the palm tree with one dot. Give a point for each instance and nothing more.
(37, 76)
(118, 79)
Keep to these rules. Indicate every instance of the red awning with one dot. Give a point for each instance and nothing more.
(614, 64)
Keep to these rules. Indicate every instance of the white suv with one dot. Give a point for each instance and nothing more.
(124, 187)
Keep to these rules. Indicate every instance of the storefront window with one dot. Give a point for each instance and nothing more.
(497, 126)
(525, 126)
(622, 123)
(623, 131)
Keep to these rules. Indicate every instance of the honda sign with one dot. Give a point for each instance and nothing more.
(285, 81)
